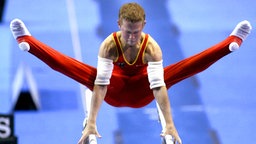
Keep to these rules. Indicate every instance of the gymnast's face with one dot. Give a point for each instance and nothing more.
(131, 31)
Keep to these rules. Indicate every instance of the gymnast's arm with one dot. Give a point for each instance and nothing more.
(104, 72)
(153, 55)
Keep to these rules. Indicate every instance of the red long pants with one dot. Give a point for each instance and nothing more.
(125, 90)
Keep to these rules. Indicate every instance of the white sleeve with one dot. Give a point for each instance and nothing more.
(155, 74)
(104, 71)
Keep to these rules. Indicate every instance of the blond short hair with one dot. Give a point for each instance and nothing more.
(132, 12)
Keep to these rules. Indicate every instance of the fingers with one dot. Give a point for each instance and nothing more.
(98, 136)
(83, 138)
(178, 141)
(169, 139)
(81, 141)
(90, 138)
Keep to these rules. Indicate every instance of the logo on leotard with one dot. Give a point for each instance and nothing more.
(121, 64)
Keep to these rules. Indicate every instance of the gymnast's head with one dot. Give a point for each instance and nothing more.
(131, 21)
(131, 12)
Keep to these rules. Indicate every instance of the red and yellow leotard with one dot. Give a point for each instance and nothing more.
(129, 84)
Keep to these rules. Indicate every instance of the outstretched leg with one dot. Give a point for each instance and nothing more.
(201, 61)
(82, 73)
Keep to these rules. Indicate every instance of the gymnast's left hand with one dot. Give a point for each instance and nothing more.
(173, 132)
(89, 129)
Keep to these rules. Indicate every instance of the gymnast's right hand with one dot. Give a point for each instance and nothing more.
(89, 129)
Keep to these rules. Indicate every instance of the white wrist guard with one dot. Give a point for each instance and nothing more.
(104, 71)
(155, 74)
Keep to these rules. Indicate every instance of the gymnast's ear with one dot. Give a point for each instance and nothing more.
(144, 22)
(119, 23)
